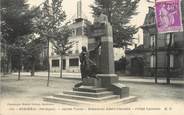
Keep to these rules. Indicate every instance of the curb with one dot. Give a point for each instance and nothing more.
(124, 79)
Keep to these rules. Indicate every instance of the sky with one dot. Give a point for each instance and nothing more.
(70, 7)
(138, 19)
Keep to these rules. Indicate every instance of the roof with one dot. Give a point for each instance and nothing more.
(139, 49)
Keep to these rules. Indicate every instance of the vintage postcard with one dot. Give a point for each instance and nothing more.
(92, 57)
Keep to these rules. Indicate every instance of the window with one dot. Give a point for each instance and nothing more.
(171, 60)
(53, 51)
(152, 61)
(152, 41)
(76, 51)
(151, 20)
(70, 52)
(55, 63)
(170, 39)
(74, 62)
(73, 32)
(79, 31)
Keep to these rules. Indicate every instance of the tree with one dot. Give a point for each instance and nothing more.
(33, 50)
(49, 24)
(119, 13)
(16, 25)
(62, 32)
(62, 44)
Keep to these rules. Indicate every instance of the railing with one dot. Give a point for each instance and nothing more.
(162, 71)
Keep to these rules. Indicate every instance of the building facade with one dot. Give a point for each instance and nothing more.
(161, 52)
(79, 38)
(71, 61)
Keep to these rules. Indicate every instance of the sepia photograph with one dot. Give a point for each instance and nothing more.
(86, 57)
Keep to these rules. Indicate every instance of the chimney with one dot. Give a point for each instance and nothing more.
(79, 9)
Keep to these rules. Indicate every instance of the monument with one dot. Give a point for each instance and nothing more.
(103, 57)
(99, 83)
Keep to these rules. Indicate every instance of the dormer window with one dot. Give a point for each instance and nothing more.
(79, 31)
(73, 32)
(152, 41)
(151, 20)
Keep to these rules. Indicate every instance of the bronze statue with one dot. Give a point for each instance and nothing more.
(84, 62)
(88, 67)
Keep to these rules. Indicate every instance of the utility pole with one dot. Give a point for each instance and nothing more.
(155, 48)
(168, 58)
(156, 56)
(48, 62)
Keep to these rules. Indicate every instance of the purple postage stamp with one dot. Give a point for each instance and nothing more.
(168, 16)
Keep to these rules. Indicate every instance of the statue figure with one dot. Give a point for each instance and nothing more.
(88, 67)
(84, 63)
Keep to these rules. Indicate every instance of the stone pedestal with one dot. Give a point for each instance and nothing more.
(91, 82)
(107, 53)
(120, 89)
(107, 79)
(111, 82)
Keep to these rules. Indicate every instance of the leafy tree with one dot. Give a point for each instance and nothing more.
(49, 24)
(33, 50)
(16, 24)
(62, 44)
(119, 13)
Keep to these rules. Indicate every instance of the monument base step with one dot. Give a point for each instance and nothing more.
(65, 101)
(89, 89)
(89, 94)
(73, 102)
(124, 100)
(86, 98)
(83, 94)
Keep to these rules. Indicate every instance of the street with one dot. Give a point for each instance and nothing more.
(33, 89)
